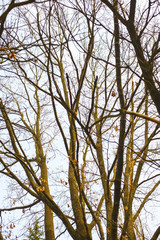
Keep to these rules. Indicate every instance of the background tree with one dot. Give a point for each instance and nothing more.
(35, 232)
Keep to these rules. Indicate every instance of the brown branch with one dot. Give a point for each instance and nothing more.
(20, 207)
(145, 200)
(156, 234)
(142, 116)
(92, 103)
(132, 10)
(112, 8)
(11, 6)
(120, 155)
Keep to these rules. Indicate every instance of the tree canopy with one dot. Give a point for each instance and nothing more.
(79, 118)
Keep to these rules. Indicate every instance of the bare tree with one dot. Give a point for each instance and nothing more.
(8, 7)
(82, 68)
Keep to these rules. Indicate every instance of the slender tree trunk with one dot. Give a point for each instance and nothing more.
(108, 201)
(120, 152)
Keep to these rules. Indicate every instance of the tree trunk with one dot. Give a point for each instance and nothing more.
(1, 237)
(120, 151)
(49, 227)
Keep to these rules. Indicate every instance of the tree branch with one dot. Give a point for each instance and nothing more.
(141, 115)
(156, 234)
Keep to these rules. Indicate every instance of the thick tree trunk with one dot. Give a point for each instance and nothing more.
(74, 183)
(1, 237)
(49, 227)
(130, 230)
(77, 207)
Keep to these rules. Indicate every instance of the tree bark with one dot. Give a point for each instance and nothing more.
(120, 155)
(1, 237)
(156, 234)
(146, 66)
(49, 227)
